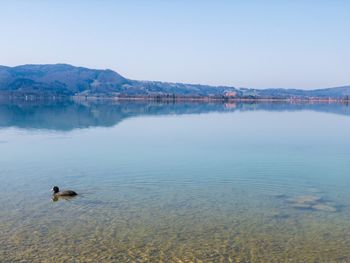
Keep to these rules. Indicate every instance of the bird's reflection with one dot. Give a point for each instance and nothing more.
(56, 198)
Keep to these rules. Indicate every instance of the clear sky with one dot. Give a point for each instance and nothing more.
(260, 44)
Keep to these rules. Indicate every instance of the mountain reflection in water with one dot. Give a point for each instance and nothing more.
(68, 115)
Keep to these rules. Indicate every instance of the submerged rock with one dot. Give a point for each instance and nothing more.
(306, 199)
(280, 196)
(312, 202)
(314, 190)
(301, 206)
(324, 207)
(281, 216)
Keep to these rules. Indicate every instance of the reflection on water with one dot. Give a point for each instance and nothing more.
(69, 114)
(56, 198)
(187, 182)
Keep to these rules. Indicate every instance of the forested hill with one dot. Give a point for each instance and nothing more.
(68, 80)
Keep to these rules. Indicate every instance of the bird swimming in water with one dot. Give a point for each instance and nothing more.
(57, 193)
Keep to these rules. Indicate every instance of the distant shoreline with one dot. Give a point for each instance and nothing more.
(203, 99)
(64, 80)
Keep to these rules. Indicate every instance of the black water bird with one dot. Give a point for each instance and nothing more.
(57, 193)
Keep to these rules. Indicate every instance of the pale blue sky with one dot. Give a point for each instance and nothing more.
(299, 43)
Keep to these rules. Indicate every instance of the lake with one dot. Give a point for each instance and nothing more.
(175, 182)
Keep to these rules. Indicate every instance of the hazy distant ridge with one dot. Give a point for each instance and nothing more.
(67, 80)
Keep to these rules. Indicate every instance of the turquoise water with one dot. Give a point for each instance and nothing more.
(186, 182)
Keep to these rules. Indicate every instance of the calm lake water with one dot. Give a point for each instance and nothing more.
(185, 182)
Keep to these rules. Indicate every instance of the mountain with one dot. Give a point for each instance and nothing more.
(68, 80)
(58, 79)
(337, 92)
(63, 79)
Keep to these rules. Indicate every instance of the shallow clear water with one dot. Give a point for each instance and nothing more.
(185, 182)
